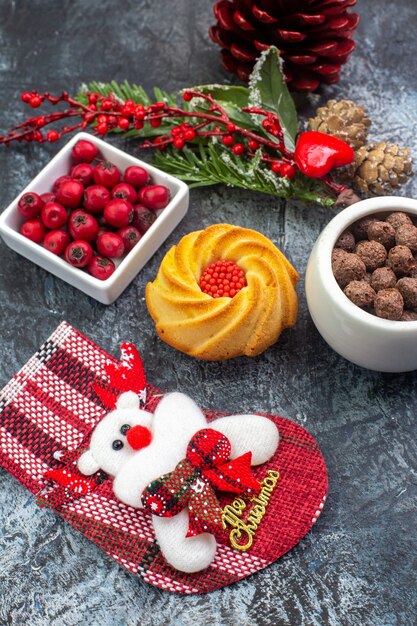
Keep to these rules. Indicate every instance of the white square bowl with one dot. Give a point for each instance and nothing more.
(108, 290)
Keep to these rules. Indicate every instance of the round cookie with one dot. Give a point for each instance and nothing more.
(223, 327)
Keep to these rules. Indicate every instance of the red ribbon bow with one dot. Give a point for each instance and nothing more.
(193, 482)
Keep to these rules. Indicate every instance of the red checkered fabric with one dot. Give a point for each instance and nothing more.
(49, 410)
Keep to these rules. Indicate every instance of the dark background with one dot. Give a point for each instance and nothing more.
(358, 564)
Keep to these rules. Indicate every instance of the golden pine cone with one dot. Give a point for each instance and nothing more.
(379, 168)
(343, 119)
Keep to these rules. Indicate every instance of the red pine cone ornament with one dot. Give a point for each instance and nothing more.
(313, 36)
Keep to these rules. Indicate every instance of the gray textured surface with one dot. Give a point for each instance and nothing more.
(358, 565)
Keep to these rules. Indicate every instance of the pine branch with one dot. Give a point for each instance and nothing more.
(212, 165)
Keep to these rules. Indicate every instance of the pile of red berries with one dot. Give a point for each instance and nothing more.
(94, 214)
(222, 279)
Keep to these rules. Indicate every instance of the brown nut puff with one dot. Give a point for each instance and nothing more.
(348, 267)
(382, 232)
(408, 289)
(360, 293)
(401, 260)
(398, 218)
(346, 241)
(372, 253)
(406, 235)
(383, 278)
(389, 304)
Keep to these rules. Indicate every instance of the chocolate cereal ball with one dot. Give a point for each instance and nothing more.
(337, 253)
(360, 293)
(348, 267)
(389, 304)
(383, 278)
(408, 289)
(346, 241)
(382, 232)
(360, 228)
(372, 253)
(398, 218)
(406, 235)
(401, 260)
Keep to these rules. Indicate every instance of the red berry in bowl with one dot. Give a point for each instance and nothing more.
(101, 268)
(69, 193)
(82, 225)
(56, 241)
(95, 198)
(143, 218)
(48, 196)
(78, 253)
(84, 151)
(136, 176)
(59, 182)
(110, 245)
(125, 192)
(30, 204)
(83, 173)
(118, 213)
(154, 197)
(34, 230)
(106, 174)
(54, 215)
(130, 236)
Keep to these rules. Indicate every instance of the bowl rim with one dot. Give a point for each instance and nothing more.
(324, 247)
(181, 191)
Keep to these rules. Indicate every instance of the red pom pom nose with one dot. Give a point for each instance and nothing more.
(138, 437)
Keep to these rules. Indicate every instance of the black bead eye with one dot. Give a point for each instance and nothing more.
(117, 444)
(124, 429)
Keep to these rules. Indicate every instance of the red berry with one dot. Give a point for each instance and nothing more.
(118, 212)
(106, 174)
(54, 215)
(110, 245)
(276, 167)
(130, 236)
(95, 198)
(30, 204)
(52, 135)
(26, 96)
(69, 193)
(123, 123)
(125, 192)
(179, 143)
(228, 140)
(84, 151)
(288, 170)
(136, 176)
(222, 279)
(82, 225)
(83, 173)
(59, 182)
(48, 196)
(56, 241)
(154, 197)
(34, 230)
(35, 101)
(238, 149)
(139, 111)
(106, 105)
(102, 128)
(231, 128)
(101, 268)
(155, 122)
(79, 253)
(189, 134)
(187, 96)
(253, 145)
(143, 218)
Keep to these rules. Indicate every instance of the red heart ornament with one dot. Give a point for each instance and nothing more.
(316, 154)
(43, 425)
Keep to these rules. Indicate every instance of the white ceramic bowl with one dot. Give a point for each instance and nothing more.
(108, 290)
(363, 338)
